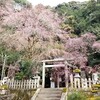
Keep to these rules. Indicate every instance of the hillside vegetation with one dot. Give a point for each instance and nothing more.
(81, 17)
(29, 35)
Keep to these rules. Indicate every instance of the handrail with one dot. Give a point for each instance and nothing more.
(36, 94)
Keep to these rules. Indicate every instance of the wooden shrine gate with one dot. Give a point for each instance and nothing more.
(63, 64)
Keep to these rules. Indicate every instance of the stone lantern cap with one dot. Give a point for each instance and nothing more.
(77, 71)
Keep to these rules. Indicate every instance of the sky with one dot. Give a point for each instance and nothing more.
(51, 2)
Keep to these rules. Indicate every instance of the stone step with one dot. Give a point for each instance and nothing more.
(49, 94)
(47, 98)
(51, 89)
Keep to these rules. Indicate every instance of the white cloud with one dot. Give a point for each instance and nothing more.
(51, 2)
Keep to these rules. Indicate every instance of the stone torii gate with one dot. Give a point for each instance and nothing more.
(64, 64)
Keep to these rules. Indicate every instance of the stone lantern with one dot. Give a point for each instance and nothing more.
(77, 77)
(77, 71)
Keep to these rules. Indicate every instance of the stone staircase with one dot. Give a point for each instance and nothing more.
(49, 94)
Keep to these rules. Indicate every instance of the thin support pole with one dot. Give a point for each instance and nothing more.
(43, 75)
(66, 76)
(58, 80)
(3, 67)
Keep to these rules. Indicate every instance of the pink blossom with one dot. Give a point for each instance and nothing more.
(96, 46)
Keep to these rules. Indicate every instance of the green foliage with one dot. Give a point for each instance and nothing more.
(98, 98)
(12, 57)
(3, 48)
(25, 70)
(64, 90)
(98, 1)
(94, 59)
(77, 96)
(4, 86)
(2, 52)
(19, 76)
(86, 16)
(23, 2)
